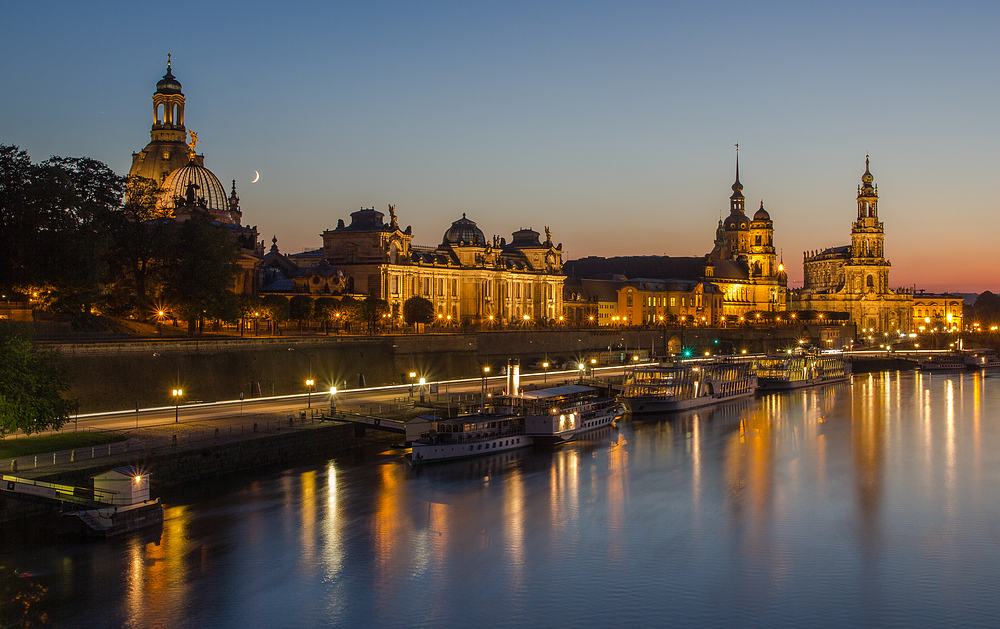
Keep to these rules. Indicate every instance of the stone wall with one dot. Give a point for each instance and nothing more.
(117, 376)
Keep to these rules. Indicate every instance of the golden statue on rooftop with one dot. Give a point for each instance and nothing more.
(194, 141)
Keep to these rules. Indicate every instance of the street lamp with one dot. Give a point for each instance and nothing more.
(309, 379)
(482, 393)
(413, 375)
(545, 372)
(422, 382)
(333, 399)
(309, 388)
(177, 393)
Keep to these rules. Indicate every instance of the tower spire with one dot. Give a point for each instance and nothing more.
(737, 200)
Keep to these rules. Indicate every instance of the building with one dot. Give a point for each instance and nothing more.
(743, 267)
(743, 263)
(186, 185)
(468, 278)
(855, 278)
(937, 312)
(653, 302)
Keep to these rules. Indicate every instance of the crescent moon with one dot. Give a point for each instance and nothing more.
(256, 176)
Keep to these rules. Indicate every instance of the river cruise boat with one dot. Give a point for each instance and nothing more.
(982, 359)
(672, 387)
(796, 372)
(561, 413)
(943, 362)
(437, 439)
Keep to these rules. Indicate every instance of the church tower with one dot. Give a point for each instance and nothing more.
(868, 270)
(167, 150)
(737, 225)
(761, 253)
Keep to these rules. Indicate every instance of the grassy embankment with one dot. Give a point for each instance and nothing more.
(26, 446)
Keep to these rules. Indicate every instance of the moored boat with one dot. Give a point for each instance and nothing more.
(795, 372)
(943, 362)
(982, 359)
(437, 439)
(562, 413)
(669, 387)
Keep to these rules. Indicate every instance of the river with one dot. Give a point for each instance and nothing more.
(874, 503)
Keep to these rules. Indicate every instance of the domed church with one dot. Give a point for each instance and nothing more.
(187, 186)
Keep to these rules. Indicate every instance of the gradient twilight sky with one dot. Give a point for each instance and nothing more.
(613, 123)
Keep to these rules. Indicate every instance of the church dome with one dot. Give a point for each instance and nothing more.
(209, 188)
(761, 214)
(464, 231)
(736, 222)
(168, 84)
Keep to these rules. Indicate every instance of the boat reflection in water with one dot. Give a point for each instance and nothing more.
(862, 503)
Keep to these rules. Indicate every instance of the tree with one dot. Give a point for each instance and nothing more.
(986, 309)
(201, 273)
(372, 311)
(417, 309)
(249, 308)
(325, 309)
(350, 311)
(77, 200)
(301, 308)
(139, 248)
(275, 308)
(32, 382)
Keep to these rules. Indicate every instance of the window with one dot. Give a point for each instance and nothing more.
(395, 284)
(454, 288)
(673, 301)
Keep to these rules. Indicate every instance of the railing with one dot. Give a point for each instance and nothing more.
(185, 440)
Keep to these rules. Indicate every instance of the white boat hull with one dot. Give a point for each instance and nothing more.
(652, 404)
(545, 427)
(431, 452)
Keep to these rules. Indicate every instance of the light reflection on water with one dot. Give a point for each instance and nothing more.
(873, 503)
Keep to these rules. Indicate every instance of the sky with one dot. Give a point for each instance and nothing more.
(613, 123)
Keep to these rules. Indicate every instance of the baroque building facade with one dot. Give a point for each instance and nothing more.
(467, 277)
(744, 263)
(742, 270)
(855, 278)
(186, 185)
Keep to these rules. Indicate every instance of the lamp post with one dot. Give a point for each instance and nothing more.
(309, 378)
(545, 372)
(177, 393)
(413, 375)
(333, 399)
(482, 394)
(582, 367)
(422, 382)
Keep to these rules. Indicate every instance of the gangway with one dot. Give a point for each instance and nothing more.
(369, 421)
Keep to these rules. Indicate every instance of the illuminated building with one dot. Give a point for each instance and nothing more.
(187, 187)
(742, 269)
(468, 278)
(855, 278)
(936, 311)
(744, 263)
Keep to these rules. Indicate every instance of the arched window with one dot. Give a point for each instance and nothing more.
(871, 283)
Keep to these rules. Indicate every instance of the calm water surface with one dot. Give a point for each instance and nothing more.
(866, 504)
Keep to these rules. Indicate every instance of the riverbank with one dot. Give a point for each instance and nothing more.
(186, 454)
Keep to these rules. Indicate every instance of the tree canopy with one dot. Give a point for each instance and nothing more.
(32, 382)
(417, 309)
